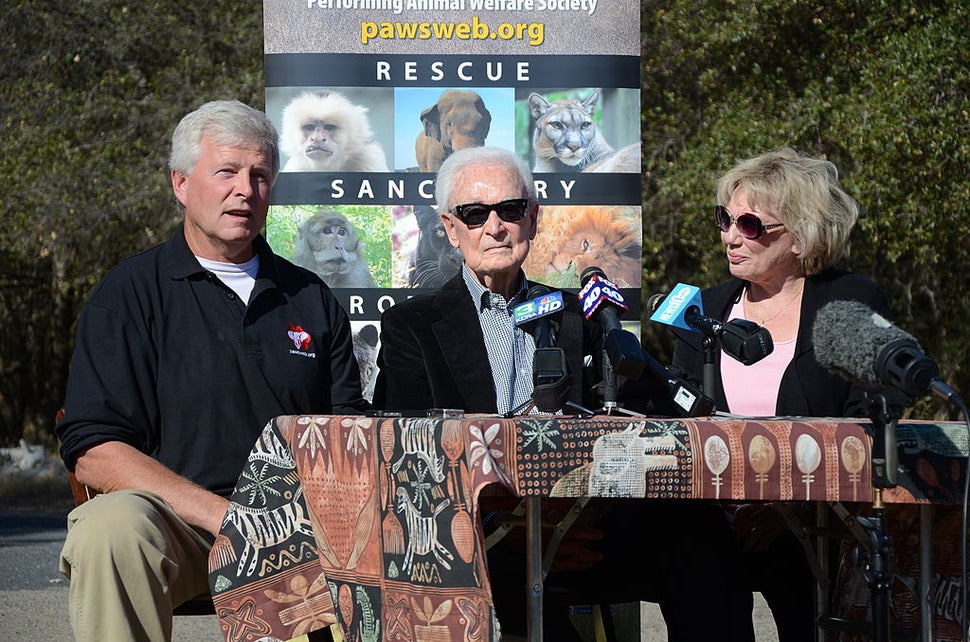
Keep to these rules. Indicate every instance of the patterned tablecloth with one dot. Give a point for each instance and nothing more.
(372, 523)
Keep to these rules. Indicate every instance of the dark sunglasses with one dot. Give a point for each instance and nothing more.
(750, 226)
(475, 214)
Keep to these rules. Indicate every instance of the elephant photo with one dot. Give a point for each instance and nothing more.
(458, 120)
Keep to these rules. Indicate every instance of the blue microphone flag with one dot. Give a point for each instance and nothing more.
(673, 308)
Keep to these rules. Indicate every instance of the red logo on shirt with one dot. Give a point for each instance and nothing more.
(299, 337)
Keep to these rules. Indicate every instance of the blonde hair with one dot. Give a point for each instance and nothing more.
(805, 194)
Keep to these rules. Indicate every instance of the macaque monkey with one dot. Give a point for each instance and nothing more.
(323, 131)
(328, 244)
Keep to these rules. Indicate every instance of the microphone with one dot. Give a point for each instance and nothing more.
(746, 341)
(654, 301)
(541, 315)
(743, 340)
(861, 345)
(601, 298)
(690, 400)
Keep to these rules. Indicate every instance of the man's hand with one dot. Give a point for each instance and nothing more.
(114, 466)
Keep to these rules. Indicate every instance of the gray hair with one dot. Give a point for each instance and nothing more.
(805, 194)
(228, 122)
(480, 156)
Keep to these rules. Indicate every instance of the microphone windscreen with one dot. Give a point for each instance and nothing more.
(589, 273)
(654, 301)
(537, 291)
(849, 337)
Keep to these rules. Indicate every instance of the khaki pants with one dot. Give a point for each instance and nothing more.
(130, 560)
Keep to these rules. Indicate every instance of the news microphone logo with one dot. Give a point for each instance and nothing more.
(674, 307)
(539, 307)
(597, 290)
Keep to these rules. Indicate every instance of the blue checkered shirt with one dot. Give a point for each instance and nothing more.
(510, 349)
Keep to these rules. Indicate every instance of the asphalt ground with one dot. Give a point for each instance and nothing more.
(33, 593)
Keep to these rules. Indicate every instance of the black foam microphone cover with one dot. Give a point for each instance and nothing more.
(551, 379)
(745, 340)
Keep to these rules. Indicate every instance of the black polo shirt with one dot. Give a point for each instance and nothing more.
(171, 362)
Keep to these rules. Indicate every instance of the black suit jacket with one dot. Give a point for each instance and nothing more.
(433, 354)
(807, 388)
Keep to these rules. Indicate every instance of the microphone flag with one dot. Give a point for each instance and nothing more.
(541, 306)
(673, 308)
(599, 290)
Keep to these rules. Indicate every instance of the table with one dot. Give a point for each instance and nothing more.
(372, 523)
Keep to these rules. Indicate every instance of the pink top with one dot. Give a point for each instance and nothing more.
(752, 391)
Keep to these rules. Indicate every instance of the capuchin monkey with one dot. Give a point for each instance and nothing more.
(328, 244)
(323, 131)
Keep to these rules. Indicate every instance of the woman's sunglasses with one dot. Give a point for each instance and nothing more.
(750, 226)
(475, 214)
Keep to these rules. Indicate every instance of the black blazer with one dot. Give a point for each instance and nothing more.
(433, 353)
(807, 388)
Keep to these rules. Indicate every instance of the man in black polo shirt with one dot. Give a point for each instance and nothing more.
(183, 354)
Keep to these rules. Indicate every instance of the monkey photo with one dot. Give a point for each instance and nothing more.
(327, 244)
(434, 260)
(323, 131)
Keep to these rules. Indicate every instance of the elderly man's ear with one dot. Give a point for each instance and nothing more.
(449, 223)
(534, 218)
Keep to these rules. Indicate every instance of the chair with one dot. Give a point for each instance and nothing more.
(201, 605)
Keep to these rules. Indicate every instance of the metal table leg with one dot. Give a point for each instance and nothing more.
(926, 588)
(823, 596)
(533, 533)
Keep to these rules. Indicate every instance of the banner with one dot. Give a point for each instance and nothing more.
(370, 96)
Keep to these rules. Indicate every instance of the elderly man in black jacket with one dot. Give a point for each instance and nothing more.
(459, 348)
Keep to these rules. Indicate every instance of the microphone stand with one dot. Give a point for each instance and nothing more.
(874, 558)
(745, 341)
(608, 385)
(550, 385)
(884, 415)
(875, 567)
(526, 407)
(550, 379)
(710, 372)
(607, 388)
